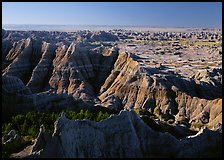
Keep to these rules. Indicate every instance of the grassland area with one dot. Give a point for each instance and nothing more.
(181, 42)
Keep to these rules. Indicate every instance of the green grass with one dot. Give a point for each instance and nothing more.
(200, 43)
(184, 42)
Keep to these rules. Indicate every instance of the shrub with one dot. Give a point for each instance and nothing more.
(136, 110)
(167, 117)
(6, 128)
(170, 121)
(197, 125)
(185, 122)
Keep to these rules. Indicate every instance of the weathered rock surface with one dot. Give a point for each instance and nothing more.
(45, 71)
(6, 46)
(103, 75)
(8, 136)
(103, 36)
(78, 69)
(54, 74)
(123, 135)
(133, 86)
(12, 142)
(81, 70)
(41, 73)
(24, 56)
(18, 98)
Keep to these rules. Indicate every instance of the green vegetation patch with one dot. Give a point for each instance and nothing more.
(29, 124)
(201, 43)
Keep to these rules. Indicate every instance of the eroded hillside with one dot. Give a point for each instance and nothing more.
(48, 71)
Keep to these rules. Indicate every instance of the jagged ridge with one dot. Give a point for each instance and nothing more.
(123, 135)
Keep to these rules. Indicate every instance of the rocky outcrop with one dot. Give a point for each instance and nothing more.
(8, 136)
(81, 70)
(78, 69)
(18, 98)
(24, 56)
(12, 142)
(12, 84)
(103, 36)
(117, 80)
(55, 74)
(47, 71)
(134, 86)
(213, 77)
(199, 111)
(42, 71)
(123, 135)
(6, 46)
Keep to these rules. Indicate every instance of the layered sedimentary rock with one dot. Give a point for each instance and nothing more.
(133, 86)
(82, 69)
(24, 56)
(78, 69)
(6, 46)
(123, 135)
(86, 71)
(18, 98)
(42, 71)
(56, 75)
(45, 71)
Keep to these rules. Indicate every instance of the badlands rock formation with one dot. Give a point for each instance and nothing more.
(133, 86)
(47, 71)
(123, 135)
(18, 98)
(54, 74)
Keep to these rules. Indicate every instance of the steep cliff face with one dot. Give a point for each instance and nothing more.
(79, 69)
(123, 135)
(56, 75)
(6, 46)
(24, 56)
(82, 70)
(133, 86)
(18, 98)
(38, 81)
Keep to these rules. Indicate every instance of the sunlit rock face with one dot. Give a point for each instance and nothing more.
(132, 86)
(82, 70)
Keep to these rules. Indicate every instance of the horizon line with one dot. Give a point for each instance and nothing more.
(108, 25)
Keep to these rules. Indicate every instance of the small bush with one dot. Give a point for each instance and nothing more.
(167, 117)
(197, 125)
(185, 122)
(170, 121)
(6, 128)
